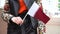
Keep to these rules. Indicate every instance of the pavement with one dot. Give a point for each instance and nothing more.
(3, 25)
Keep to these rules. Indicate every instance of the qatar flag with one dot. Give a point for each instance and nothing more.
(36, 11)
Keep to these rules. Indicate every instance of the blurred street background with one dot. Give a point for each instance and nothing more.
(52, 27)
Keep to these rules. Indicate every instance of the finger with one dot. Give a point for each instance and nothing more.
(14, 19)
(20, 20)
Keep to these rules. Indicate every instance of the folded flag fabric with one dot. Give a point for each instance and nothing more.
(36, 11)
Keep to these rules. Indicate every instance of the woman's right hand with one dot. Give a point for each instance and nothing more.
(17, 20)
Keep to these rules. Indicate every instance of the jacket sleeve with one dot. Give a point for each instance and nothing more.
(6, 16)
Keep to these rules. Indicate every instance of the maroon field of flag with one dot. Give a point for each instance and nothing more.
(36, 11)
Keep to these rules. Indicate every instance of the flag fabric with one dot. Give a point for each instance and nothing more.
(36, 11)
(23, 6)
(33, 9)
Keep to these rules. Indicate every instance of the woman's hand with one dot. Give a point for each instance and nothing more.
(17, 20)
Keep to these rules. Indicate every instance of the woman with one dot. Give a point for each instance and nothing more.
(16, 24)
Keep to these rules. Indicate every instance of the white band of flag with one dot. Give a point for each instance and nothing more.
(33, 9)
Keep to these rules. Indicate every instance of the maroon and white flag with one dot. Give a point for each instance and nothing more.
(36, 11)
